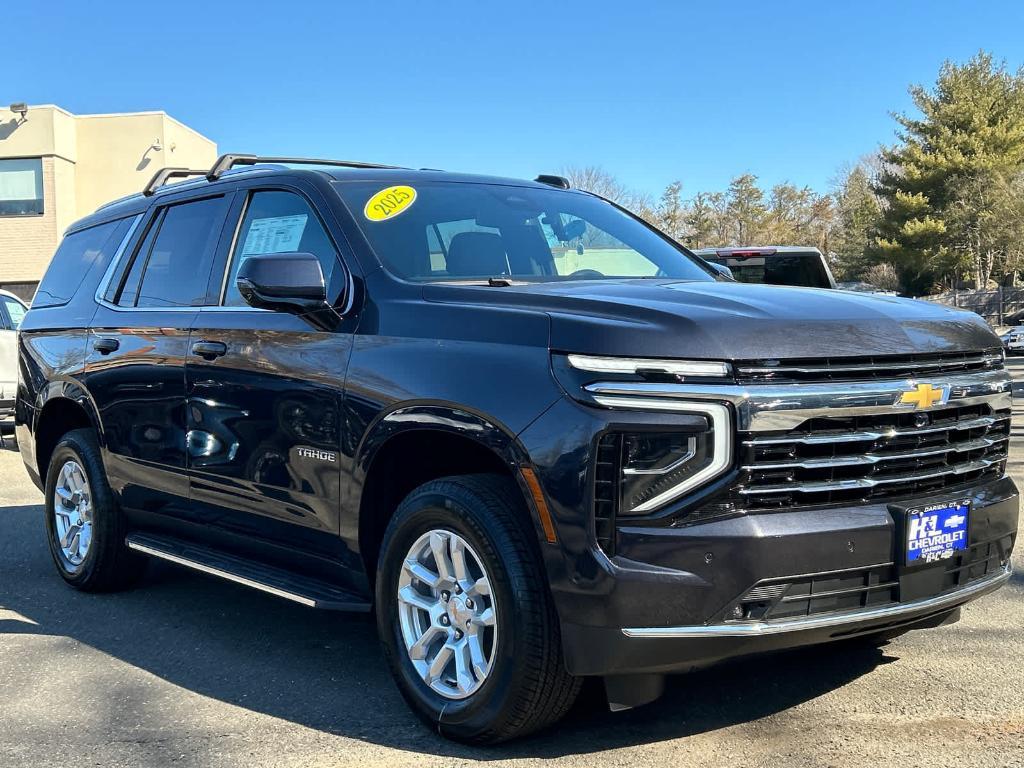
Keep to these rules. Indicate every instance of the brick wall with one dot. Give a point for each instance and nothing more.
(28, 242)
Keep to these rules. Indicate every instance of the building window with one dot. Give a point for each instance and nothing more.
(21, 187)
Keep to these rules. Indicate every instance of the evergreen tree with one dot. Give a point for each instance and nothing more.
(746, 209)
(857, 218)
(970, 128)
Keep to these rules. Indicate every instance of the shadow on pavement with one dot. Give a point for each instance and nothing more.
(325, 671)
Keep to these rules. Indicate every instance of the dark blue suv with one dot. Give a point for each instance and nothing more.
(541, 439)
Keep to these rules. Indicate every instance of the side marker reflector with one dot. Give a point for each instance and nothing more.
(542, 506)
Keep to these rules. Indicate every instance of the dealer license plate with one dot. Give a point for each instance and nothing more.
(936, 532)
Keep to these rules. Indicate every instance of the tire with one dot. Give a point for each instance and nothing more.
(106, 564)
(527, 686)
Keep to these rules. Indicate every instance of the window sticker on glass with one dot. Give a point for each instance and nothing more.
(389, 202)
(278, 234)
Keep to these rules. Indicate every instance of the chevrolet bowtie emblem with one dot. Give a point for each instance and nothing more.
(923, 396)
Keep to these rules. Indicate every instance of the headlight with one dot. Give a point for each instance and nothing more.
(656, 467)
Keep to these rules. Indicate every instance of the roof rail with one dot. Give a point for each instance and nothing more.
(555, 181)
(226, 162)
(162, 176)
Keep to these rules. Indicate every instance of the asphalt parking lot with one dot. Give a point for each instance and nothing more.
(186, 670)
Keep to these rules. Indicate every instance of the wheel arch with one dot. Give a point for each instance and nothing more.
(415, 444)
(66, 407)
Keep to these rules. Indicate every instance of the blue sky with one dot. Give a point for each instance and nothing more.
(650, 91)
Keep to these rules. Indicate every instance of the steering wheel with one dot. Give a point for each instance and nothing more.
(582, 274)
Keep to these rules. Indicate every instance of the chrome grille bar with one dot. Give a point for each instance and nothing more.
(875, 458)
(853, 437)
(893, 366)
(873, 482)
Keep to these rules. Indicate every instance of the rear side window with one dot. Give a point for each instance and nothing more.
(172, 266)
(79, 255)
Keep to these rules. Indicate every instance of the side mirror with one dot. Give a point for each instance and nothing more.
(287, 282)
(721, 269)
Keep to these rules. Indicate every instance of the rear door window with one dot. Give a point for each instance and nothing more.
(172, 266)
(79, 254)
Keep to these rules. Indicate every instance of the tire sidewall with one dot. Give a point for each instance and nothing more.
(422, 512)
(73, 447)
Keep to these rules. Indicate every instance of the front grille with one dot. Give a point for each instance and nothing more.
(865, 368)
(857, 588)
(862, 459)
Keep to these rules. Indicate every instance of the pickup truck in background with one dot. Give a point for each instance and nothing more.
(774, 265)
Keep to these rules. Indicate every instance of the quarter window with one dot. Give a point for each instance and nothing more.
(281, 222)
(78, 254)
(21, 187)
(172, 266)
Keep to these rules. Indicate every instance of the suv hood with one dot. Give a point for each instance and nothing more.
(730, 321)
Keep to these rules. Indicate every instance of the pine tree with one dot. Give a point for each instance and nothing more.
(857, 218)
(746, 209)
(970, 127)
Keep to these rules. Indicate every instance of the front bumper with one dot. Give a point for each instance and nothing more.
(677, 591)
(614, 652)
(678, 615)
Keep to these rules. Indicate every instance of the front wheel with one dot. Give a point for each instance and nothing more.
(466, 619)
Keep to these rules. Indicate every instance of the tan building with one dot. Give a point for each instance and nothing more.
(56, 167)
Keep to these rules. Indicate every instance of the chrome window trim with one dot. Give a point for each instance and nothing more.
(827, 621)
(231, 249)
(115, 262)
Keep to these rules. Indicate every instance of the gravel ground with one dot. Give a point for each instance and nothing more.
(187, 670)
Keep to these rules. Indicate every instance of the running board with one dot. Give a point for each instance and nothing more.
(307, 591)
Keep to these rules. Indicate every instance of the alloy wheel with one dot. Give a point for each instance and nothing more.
(73, 514)
(447, 614)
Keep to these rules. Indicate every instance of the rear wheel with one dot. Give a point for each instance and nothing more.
(465, 616)
(84, 525)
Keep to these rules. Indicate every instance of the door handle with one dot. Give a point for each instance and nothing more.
(106, 346)
(209, 350)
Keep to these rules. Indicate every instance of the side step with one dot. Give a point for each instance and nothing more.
(276, 581)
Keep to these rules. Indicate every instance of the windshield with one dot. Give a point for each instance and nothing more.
(450, 231)
(801, 269)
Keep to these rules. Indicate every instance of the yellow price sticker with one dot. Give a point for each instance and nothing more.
(389, 202)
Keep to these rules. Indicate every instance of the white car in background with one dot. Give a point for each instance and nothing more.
(12, 310)
(1013, 340)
